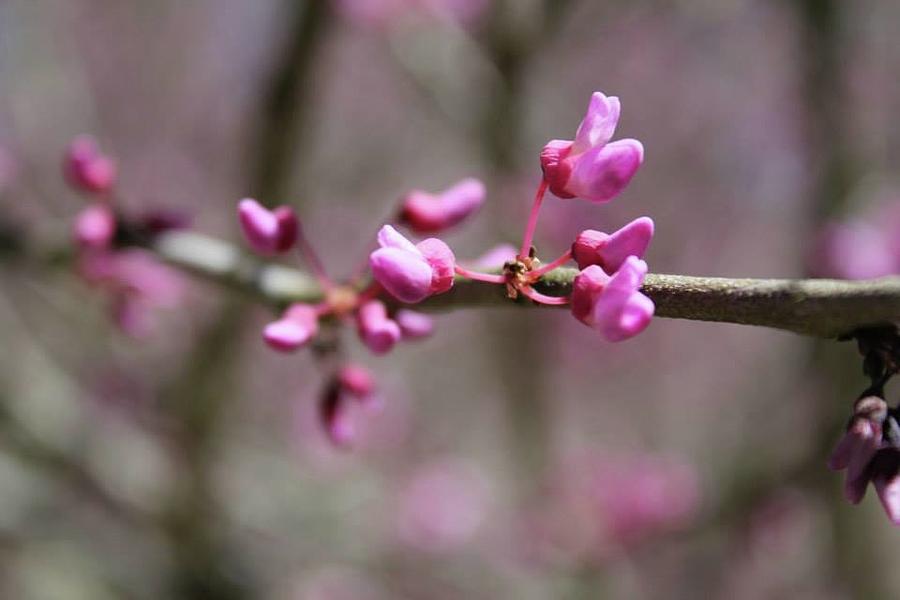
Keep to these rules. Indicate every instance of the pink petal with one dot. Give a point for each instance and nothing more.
(376, 330)
(95, 226)
(406, 276)
(599, 123)
(414, 325)
(631, 240)
(585, 289)
(888, 489)
(557, 170)
(260, 226)
(442, 261)
(288, 228)
(601, 173)
(388, 237)
(621, 311)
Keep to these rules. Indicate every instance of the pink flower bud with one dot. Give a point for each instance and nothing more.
(268, 232)
(296, 328)
(356, 380)
(613, 304)
(591, 167)
(376, 330)
(432, 213)
(609, 250)
(86, 168)
(859, 445)
(410, 272)
(414, 325)
(95, 226)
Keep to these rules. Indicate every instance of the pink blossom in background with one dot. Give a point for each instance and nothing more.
(591, 167)
(295, 329)
(414, 325)
(95, 226)
(432, 213)
(86, 168)
(857, 249)
(598, 505)
(137, 284)
(441, 507)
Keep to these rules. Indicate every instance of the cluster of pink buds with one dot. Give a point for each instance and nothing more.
(134, 280)
(870, 452)
(606, 292)
(409, 272)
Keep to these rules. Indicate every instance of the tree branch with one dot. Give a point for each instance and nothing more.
(817, 307)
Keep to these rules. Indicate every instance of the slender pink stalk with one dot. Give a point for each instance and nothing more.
(533, 218)
(476, 276)
(530, 292)
(309, 254)
(566, 257)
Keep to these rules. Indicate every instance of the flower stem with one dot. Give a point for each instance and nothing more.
(476, 276)
(533, 218)
(315, 264)
(531, 293)
(566, 257)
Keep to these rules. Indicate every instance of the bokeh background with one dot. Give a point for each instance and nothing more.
(515, 448)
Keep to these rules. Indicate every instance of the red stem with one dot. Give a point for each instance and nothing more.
(476, 276)
(533, 219)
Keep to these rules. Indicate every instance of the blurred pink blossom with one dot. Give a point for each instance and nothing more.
(442, 506)
(137, 284)
(432, 213)
(86, 168)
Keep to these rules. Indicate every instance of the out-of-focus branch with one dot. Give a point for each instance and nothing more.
(817, 307)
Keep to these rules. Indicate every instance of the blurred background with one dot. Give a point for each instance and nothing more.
(517, 455)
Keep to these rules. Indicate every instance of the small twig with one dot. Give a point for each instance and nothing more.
(825, 308)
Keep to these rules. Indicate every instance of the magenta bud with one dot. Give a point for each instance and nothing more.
(86, 169)
(295, 329)
(376, 330)
(356, 380)
(613, 305)
(268, 232)
(410, 272)
(432, 213)
(95, 226)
